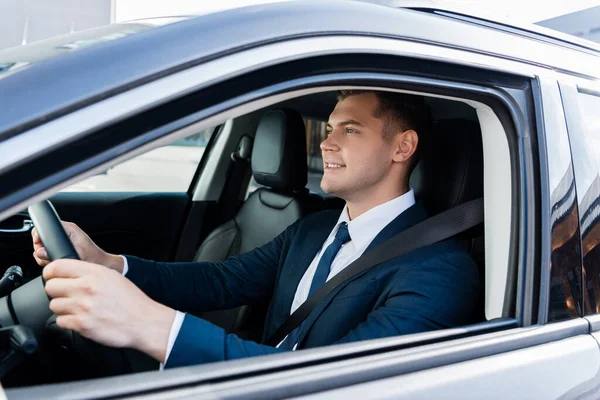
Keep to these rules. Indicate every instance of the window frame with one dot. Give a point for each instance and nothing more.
(514, 107)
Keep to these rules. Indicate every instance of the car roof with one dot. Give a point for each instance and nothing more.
(465, 12)
(58, 85)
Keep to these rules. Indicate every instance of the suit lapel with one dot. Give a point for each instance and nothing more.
(408, 218)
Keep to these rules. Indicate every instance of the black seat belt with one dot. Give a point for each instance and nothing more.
(435, 229)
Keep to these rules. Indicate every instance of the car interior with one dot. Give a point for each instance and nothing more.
(268, 161)
(450, 173)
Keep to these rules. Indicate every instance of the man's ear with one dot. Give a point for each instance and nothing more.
(405, 145)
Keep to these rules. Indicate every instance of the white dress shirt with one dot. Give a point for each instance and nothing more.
(362, 229)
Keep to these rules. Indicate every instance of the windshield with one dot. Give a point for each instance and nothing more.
(15, 58)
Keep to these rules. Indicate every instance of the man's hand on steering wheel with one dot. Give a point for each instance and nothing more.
(85, 247)
(91, 299)
(106, 307)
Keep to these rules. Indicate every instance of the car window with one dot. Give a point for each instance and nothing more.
(315, 134)
(584, 134)
(165, 169)
(588, 188)
(565, 257)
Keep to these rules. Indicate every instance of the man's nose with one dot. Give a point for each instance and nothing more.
(329, 144)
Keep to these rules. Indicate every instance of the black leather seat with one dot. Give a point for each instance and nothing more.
(450, 173)
(279, 163)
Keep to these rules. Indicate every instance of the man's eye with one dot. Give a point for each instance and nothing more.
(350, 130)
(329, 132)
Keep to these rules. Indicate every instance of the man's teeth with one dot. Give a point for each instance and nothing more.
(328, 165)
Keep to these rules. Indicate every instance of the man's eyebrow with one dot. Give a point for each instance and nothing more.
(349, 122)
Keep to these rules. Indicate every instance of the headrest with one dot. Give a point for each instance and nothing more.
(279, 154)
(450, 171)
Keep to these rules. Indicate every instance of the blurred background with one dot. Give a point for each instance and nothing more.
(25, 21)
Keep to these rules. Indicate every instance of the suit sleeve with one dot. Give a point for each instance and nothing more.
(438, 294)
(200, 342)
(239, 280)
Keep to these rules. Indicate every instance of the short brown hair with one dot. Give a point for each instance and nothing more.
(400, 112)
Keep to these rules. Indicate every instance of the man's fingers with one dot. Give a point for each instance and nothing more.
(66, 268)
(68, 226)
(39, 261)
(36, 236)
(70, 322)
(61, 287)
(41, 253)
(63, 305)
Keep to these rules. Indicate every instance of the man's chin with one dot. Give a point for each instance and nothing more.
(331, 189)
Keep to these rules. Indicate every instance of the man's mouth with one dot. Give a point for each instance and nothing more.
(334, 165)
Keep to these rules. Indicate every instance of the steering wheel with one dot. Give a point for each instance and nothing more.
(53, 235)
(30, 304)
(25, 311)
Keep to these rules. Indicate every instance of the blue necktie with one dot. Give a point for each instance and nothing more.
(341, 237)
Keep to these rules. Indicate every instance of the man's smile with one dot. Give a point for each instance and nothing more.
(331, 166)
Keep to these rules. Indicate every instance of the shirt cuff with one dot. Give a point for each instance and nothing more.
(125, 266)
(175, 327)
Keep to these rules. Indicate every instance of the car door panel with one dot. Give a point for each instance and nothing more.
(141, 224)
(566, 369)
(553, 349)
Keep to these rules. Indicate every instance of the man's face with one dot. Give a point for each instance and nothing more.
(357, 158)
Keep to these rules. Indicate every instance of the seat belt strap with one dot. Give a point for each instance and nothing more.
(435, 229)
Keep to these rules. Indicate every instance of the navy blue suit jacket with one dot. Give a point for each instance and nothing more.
(434, 287)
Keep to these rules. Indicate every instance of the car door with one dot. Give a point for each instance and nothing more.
(473, 347)
(554, 357)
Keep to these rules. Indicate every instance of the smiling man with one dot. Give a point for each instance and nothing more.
(370, 149)
(369, 153)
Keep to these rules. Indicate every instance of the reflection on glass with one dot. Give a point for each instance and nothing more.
(565, 250)
(15, 58)
(586, 156)
(565, 259)
(590, 245)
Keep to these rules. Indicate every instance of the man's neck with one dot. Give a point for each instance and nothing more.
(357, 207)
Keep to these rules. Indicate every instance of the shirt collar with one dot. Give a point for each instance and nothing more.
(366, 226)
